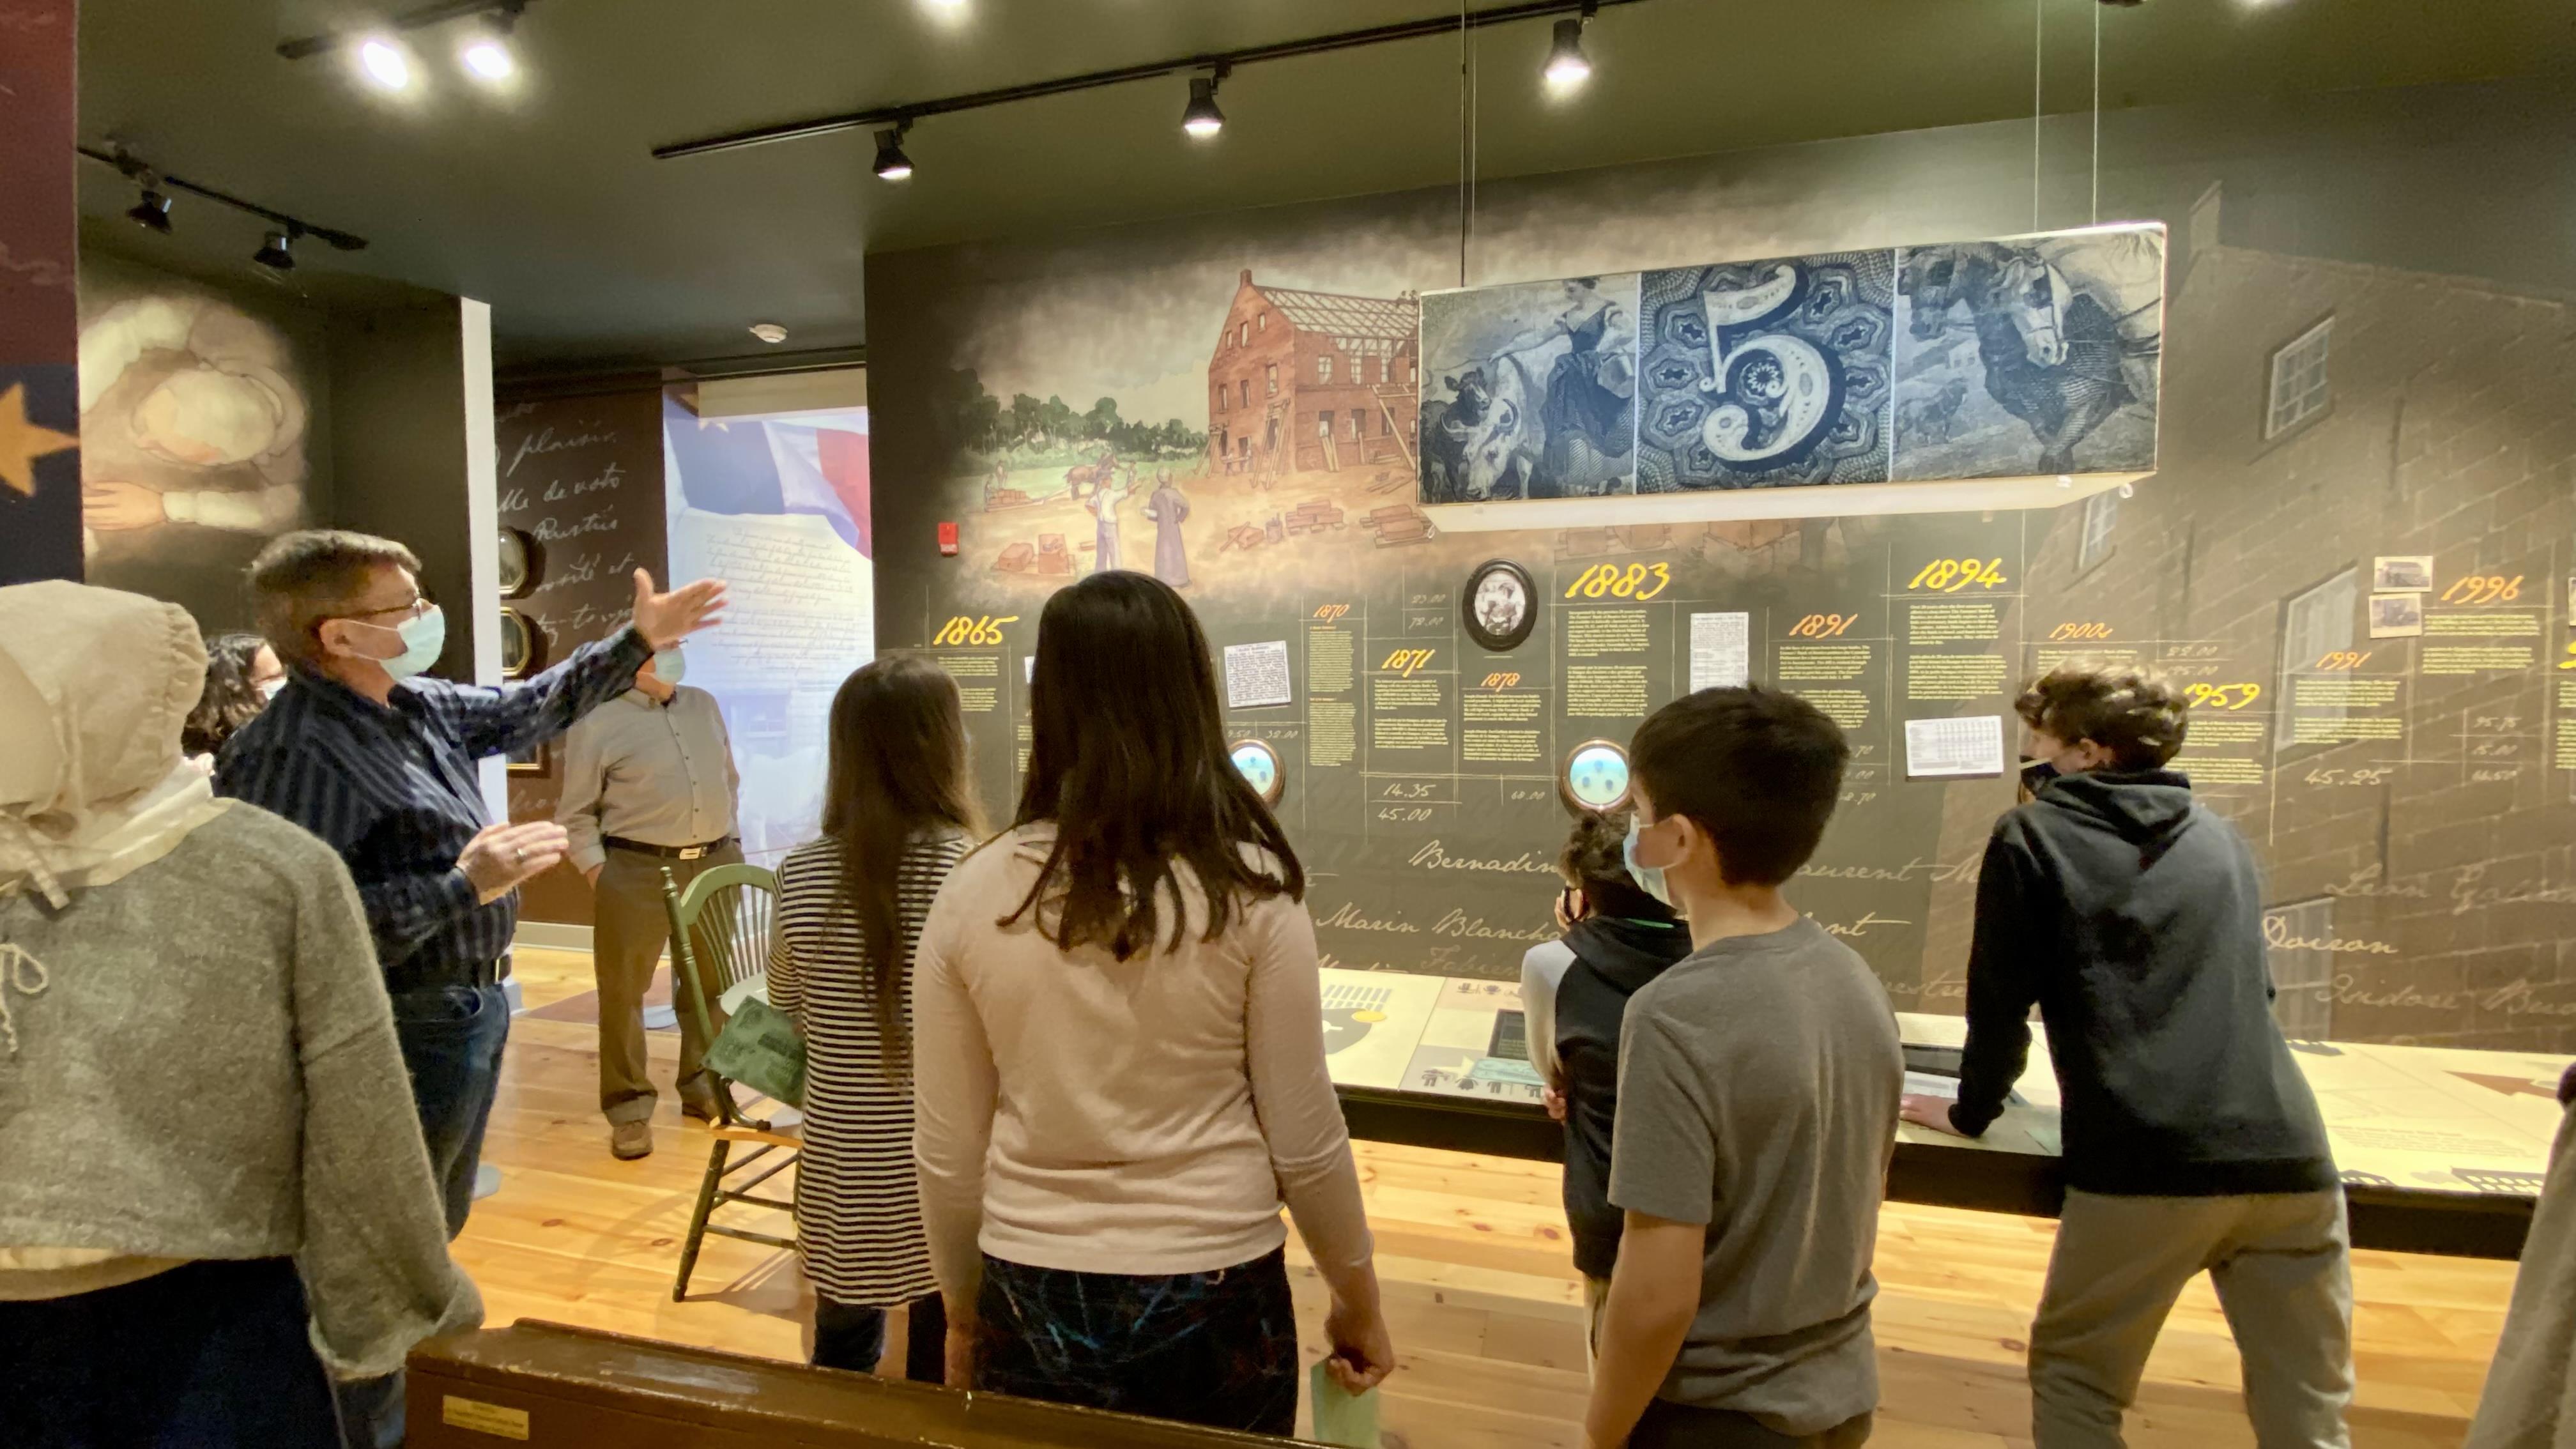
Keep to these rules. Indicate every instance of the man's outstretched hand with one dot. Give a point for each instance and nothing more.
(666, 619)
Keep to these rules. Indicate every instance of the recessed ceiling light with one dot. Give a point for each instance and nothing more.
(384, 63)
(769, 332)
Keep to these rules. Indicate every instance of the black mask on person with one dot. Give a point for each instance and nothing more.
(2035, 775)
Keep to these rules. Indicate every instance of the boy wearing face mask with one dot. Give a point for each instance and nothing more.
(1574, 992)
(649, 785)
(1758, 1087)
(2133, 918)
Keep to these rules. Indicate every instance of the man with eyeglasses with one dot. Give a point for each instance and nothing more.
(363, 750)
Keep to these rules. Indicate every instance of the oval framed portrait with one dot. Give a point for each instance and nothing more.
(1595, 777)
(1259, 766)
(518, 554)
(522, 646)
(1499, 604)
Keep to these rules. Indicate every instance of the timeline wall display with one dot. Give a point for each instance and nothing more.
(1259, 408)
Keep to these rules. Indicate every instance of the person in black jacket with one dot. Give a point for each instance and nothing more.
(1574, 991)
(2133, 917)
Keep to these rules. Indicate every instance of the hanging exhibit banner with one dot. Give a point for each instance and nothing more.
(1976, 373)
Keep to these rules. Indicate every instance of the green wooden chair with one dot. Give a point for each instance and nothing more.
(721, 929)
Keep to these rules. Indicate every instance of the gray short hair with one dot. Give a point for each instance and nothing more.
(310, 575)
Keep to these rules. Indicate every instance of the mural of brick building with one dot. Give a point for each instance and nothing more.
(1313, 381)
(2411, 796)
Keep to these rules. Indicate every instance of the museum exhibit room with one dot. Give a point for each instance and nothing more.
(1150, 722)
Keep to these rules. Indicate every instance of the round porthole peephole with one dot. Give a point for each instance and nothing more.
(1595, 777)
(1259, 766)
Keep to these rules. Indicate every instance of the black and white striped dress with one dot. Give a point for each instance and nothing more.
(858, 1211)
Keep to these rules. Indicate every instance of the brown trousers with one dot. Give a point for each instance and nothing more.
(630, 928)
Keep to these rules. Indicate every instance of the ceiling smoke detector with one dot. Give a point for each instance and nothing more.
(769, 332)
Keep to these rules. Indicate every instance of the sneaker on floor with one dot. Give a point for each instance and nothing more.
(630, 1140)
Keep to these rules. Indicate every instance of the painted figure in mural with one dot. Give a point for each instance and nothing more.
(2055, 355)
(1546, 411)
(1103, 504)
(1169, 510)
(191, 414)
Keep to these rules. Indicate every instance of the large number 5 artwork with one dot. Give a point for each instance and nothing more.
(1767, 374)
(2026, 357)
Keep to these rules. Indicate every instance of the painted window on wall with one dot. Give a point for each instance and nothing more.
(2314, 624)
(1270, 379)
(2302, 974)
(1324, 368)
(2298, 380)
(2101, 515)
(1261, 322)
(1324, 425)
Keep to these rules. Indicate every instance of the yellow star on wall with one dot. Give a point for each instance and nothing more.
(22, 442)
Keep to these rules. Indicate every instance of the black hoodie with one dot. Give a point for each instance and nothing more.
(2134, 918)
(1612, 959)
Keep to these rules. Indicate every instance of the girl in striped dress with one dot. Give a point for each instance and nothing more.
(898, 814)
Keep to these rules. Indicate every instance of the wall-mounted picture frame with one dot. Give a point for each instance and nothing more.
(536, 760)
(1499, 604)
(1595, 778)
(523, 645)
(1260, 767)
(519, 562)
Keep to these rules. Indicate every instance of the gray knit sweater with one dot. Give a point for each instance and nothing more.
(210, 1071)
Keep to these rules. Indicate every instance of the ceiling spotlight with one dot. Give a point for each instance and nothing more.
(384, 63)
(152, 213)
(769, 332)
(486, 52)
(276, 253)
(1567, 65)
(1202, 119)
(892, 164)
(488, 56)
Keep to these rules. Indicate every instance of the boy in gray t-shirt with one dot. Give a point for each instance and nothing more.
(1758, 1088)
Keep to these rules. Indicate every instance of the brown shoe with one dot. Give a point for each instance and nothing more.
(630, 1140)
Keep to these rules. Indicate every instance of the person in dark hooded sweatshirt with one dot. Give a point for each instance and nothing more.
(2133, 917)
(1574, 991)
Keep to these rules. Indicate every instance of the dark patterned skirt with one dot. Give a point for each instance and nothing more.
(1215, 1349)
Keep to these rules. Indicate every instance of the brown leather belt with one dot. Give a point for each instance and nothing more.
(667, 852)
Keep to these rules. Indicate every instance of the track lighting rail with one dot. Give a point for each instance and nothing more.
(135, 169)
(881, 116)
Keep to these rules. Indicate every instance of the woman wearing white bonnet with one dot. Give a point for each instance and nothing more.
(213, 1195)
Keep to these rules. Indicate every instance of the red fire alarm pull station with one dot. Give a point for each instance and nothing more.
(948, 540)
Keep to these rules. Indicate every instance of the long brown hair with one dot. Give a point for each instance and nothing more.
(1127, 759)
(898, 770)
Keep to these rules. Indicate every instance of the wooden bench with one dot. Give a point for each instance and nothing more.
(556, 1387)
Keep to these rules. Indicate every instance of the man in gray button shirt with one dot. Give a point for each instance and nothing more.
(1758, 1087)
(649, 783)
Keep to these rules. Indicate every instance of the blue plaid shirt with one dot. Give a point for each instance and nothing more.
(393, 788)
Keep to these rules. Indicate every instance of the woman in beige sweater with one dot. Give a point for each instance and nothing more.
(1119, 1063)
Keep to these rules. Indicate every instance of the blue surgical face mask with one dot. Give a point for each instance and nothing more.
(1649, 878)
(668, 666)
(423, 635)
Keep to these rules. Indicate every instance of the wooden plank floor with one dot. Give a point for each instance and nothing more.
(1481, 1294)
